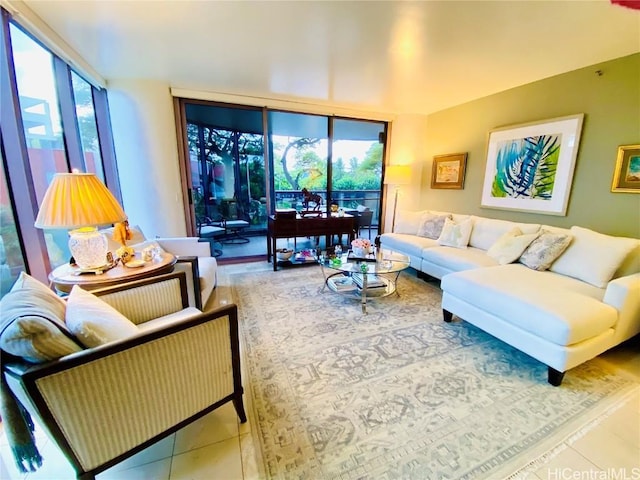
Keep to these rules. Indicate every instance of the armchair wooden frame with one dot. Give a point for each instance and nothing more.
(195, 369)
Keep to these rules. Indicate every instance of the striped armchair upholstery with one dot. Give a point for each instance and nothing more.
(105, 404)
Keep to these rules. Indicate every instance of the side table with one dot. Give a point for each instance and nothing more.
(66, 276)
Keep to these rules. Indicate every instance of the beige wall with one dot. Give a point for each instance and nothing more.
(144, 135)
(405, 148)
(611, 105)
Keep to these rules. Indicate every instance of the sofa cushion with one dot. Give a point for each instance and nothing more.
(32, 325)
(530, 300)
(95, 322)
(456, 259)
(411, 245)
(432, 225)
(456, 234)
(487, 231)
(510, 246)
(629, 265)
(543, 251)
(408, 222)
(593, 257)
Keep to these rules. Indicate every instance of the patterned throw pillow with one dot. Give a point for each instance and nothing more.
(94, 321)
(456, 234)
(32, 322)
(432, 225)
(544, 250)
(510, 246)
(408, 222)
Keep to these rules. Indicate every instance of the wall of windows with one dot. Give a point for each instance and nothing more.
(51, 119)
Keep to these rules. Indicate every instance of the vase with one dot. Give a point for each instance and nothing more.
(358, 252)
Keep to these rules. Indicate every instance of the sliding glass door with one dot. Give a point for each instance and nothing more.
(356, 173)
(226, 156)
(245, 163)
(299, 148)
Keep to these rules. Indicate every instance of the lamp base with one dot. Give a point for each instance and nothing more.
(88, 247)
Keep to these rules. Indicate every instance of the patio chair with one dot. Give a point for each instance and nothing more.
(363, 220)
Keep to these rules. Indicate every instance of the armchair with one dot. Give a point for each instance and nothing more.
(102, 405)
(193, 257)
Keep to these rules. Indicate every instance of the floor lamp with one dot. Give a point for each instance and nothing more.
(396, 175)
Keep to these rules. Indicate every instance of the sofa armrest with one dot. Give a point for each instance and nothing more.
(148, 298)
(101, 403)
(187, 246)
(623, 293)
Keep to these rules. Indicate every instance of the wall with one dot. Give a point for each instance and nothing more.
(611, 104)
(406, 147)
(146, 147)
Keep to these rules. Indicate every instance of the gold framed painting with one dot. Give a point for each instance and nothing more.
(626, 176)
(448, 171)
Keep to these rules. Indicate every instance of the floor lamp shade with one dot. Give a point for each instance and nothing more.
(396, 175)
(80, 202)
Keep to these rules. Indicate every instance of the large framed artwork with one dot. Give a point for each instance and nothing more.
(530, 166)
(626, 176)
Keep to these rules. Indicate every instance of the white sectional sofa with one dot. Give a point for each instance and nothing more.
(584, 303)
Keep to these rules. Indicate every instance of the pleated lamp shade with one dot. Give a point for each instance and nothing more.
(80, 202)
(75, 200)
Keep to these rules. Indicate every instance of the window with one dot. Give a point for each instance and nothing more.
(39, 107)
(55, 121)
(86, 117)
(11, 259)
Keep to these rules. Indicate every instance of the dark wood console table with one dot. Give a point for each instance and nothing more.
(283, 227)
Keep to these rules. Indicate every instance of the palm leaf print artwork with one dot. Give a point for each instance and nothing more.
(526, 167)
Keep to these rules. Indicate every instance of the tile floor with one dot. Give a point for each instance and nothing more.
(218, 447)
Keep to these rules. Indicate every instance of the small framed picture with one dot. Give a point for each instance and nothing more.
(448, 171)
(626, 176)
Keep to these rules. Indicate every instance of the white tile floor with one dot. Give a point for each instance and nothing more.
(218, 447)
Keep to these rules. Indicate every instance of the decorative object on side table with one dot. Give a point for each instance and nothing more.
(448, 171)
(530, 166)
(626, 176)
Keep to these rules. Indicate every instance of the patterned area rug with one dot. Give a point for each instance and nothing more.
(396, 393)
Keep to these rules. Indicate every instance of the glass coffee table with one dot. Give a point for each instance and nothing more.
(364, 278)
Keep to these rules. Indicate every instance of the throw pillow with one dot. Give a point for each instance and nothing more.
(510, 246)
(543, 251)
(32, 325)
(408, 222)
(593, 257)
(431, 226)
(95, 322)
(456, 234)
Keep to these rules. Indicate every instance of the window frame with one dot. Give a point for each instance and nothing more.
(16, 159)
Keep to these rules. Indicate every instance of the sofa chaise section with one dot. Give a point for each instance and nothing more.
(581, 302)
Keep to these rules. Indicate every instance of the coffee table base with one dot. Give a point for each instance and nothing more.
(389, 288)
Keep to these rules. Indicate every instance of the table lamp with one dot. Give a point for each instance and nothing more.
(79, 202)
(396, 175)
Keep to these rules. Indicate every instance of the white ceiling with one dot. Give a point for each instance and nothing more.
(389, 56)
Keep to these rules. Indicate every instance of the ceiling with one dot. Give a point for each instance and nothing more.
(387, 56)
